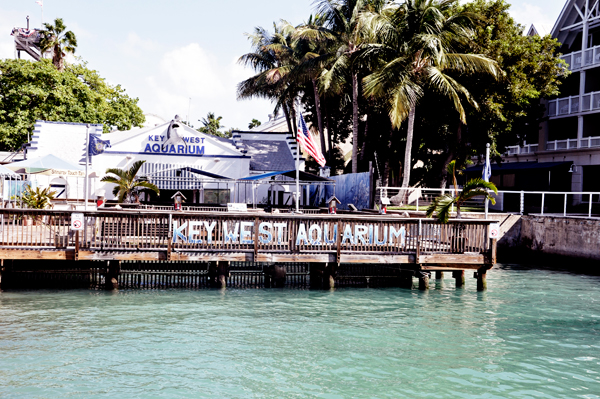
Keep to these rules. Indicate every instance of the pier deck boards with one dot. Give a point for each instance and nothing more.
(420, 244)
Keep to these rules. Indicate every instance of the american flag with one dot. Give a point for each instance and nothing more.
(308, 144)
(40, 2)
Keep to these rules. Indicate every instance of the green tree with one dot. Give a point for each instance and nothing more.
(273, 58)
(127, 188)
(254, 123)
(212, 125)
(418, 43)
(31, 91)
(510, 111)
(55, 39)
(346, 37)
(473, 188)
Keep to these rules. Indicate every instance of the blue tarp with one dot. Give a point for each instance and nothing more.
(353, 188)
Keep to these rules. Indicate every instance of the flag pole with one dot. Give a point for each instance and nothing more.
(486, 176)
(87, 161)
(297, 170)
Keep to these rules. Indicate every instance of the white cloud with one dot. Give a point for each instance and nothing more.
(527, 14)
(191, 72)
(8, 20)
(136, 46)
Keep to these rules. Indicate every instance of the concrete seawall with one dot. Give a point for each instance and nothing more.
(548, 238)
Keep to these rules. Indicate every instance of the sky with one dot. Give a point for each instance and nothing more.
(182, 55)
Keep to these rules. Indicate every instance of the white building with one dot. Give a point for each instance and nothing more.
(205, 168)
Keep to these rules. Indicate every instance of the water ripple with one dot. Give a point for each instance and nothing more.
(532, 334)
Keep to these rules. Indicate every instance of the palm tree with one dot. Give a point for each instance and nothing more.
(212, 125)
(254, 123)
(418, 41)
(272, 58)
(473, 188)
(346, 37)
(54, 37)
(127, 188)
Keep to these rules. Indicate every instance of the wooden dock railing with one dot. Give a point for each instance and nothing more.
(219, 236)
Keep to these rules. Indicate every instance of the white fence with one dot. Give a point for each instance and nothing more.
(538, 202)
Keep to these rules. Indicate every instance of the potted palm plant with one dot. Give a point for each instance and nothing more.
(127, 186)
(442, 205)
(36, 198)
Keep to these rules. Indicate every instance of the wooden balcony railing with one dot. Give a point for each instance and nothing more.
(243, 236)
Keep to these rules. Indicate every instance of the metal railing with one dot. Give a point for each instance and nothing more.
(533, 202)
(583, 59)
(555, 145)
(574, 104)
(525, 149)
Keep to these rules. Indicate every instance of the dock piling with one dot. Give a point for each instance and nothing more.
(481, 279)
(459, 278)
(424, 281)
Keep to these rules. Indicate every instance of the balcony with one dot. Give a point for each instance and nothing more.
(518, 150)
(583, 59)
(571, 144)
(556, 145)
(574, 104)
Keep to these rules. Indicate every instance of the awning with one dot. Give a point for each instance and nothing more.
(205, 173)
(48, 165)
(516, 166)
(4, 171)
(304, 176)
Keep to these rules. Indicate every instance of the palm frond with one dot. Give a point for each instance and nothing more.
(441, 206)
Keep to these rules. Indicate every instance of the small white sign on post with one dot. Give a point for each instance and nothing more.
(495, 230)
(77, 221)
(236, 207)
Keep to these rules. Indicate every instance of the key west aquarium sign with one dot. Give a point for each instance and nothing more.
(207, 232)
(158, 144)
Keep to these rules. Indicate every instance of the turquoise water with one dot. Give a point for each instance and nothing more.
(533, 334)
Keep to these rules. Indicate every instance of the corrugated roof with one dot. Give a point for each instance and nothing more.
(269, 155)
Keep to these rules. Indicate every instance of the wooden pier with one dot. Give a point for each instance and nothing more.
(328, 245)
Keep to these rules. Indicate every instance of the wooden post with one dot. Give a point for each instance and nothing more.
(77, 245)
(482, 279)
(439, 275)
(316, 271)
(279, 275)
(222, 274)
(459, 277)
(406, 279)
(267, 276)
(329, 276)
(1, 271)
(424, 281)
(111, 279)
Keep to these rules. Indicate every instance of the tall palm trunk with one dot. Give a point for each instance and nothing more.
(286, 112)
(329, 134)
(354, 122)
(407, 153)
(319, 119)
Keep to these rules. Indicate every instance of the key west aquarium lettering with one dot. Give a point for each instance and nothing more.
(194, 145)
(243, 232)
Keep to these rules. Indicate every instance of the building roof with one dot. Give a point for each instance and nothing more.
(269, 155)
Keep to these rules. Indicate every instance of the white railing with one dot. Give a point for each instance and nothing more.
(520, 150)
(574, 104)
(535, 202)
(569, 144)
(583, 59)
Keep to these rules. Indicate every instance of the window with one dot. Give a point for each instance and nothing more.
(216, 196)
